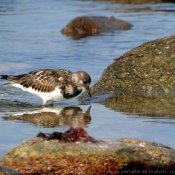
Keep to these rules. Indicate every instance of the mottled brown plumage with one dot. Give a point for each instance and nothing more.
(51, 84)
(43, 80)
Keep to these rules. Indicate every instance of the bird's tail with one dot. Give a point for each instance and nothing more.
(4, 77)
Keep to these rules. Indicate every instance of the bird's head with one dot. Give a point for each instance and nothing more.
(82, 79)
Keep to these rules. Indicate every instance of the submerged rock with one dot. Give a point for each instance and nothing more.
(6, 171)
(146, 70)
(84, 156)
(89, 25)
(142, 105)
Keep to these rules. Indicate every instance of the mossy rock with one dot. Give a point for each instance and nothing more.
(147, 70)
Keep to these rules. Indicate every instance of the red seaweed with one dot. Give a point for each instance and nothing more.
(71, 135)
(123, 56)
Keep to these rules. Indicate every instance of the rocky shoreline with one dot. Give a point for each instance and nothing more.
(144, 73)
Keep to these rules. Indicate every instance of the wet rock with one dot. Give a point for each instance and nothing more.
(4, 103)
(6, 171)
(53, 117)
(146, 70)
(142, 105)
(90, 25)
(138, 1)
(125, 156)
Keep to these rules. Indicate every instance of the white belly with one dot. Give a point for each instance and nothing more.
(45, 96)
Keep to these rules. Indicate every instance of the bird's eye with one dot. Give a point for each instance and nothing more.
(85, 82)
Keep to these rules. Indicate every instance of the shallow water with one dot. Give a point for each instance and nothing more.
(31, 39)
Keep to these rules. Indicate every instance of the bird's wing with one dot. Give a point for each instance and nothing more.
(44, 80)
(64, 74)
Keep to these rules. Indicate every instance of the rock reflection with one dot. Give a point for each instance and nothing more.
(142, 105)
(53, 117)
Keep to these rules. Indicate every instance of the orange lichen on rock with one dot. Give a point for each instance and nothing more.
(68, 153)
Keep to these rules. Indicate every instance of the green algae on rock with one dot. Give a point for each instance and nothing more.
(148, 70)
(42, 155)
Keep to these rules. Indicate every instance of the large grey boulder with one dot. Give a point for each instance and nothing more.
(147, 70)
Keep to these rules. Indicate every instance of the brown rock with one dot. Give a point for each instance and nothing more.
(125, 156)
(137, 1)
(90, 25)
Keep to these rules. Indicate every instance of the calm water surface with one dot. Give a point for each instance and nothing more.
(30, 39)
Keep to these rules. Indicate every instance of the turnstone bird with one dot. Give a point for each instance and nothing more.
(51, 84)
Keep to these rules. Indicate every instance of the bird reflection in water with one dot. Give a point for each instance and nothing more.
(54, 117)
